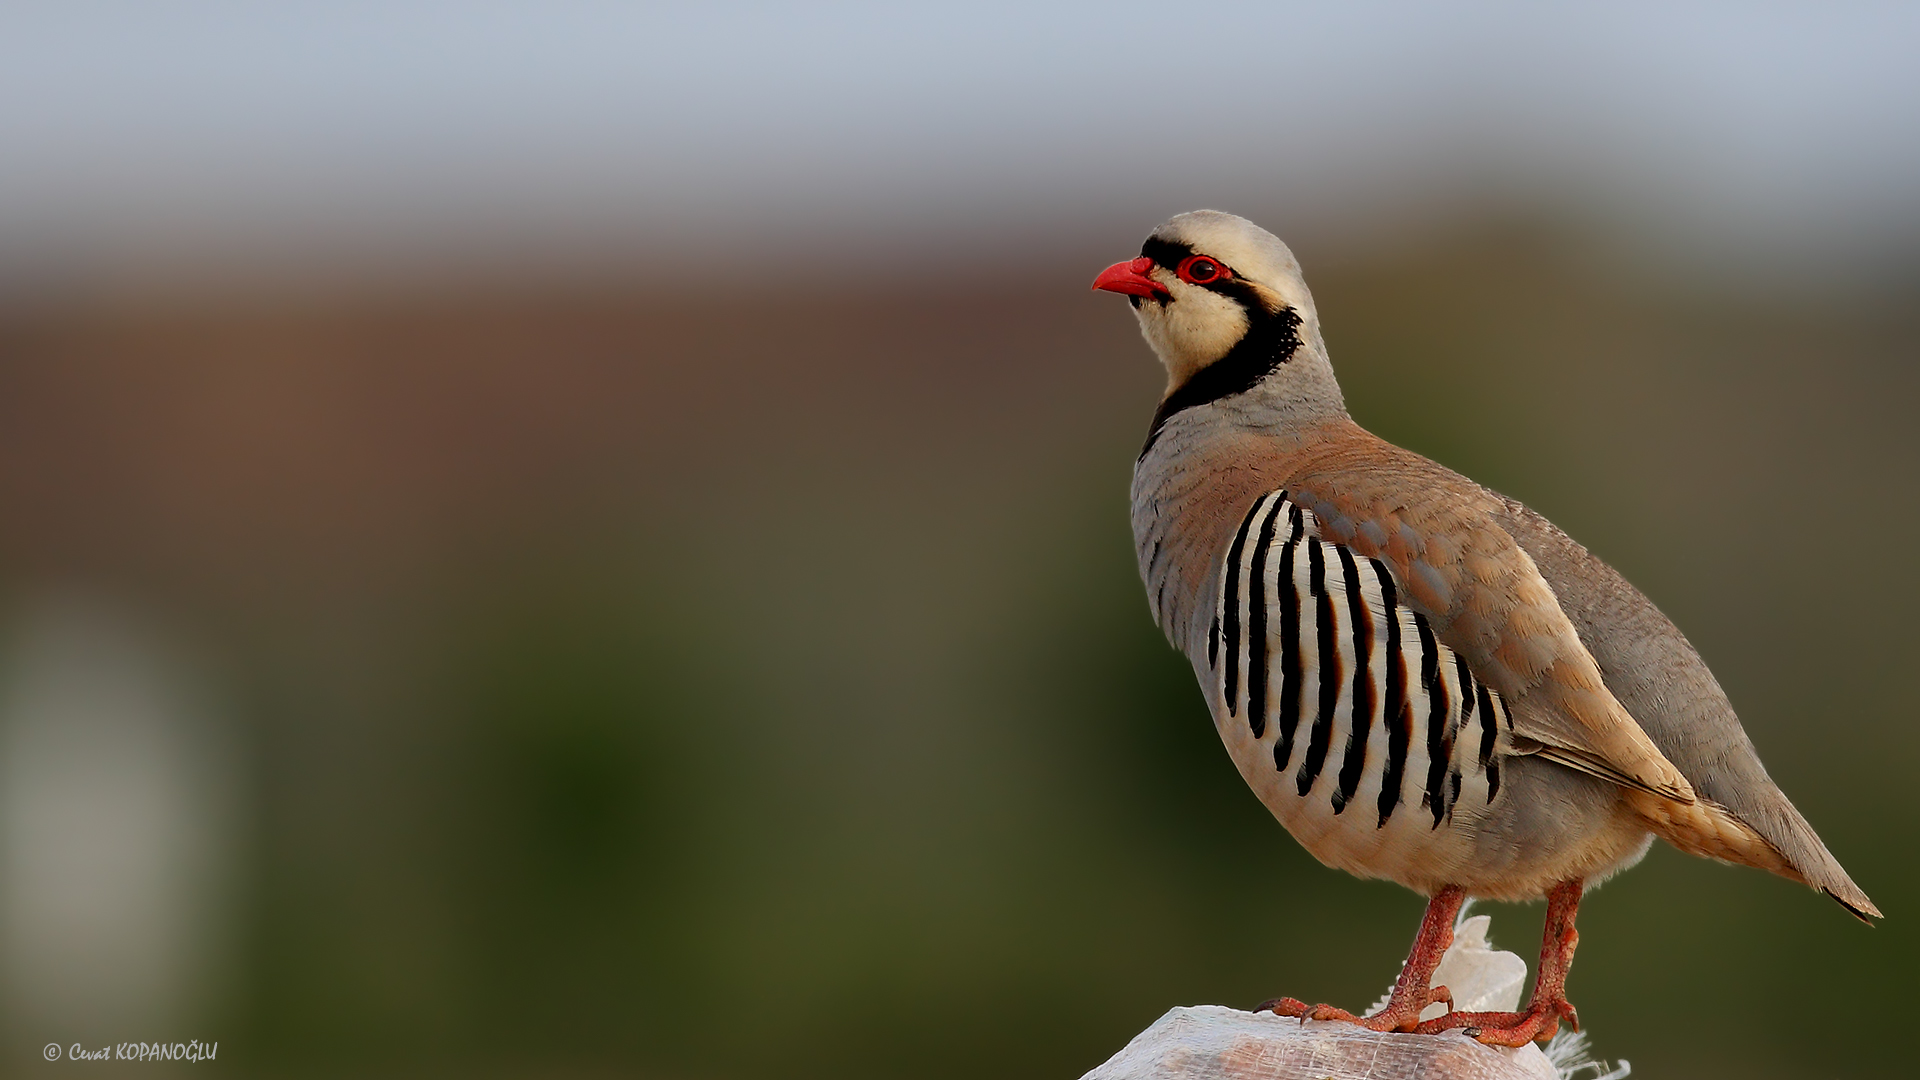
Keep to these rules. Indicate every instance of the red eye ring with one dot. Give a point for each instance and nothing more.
(1202, 270)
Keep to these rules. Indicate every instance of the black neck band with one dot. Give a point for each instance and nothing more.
(1270, 340)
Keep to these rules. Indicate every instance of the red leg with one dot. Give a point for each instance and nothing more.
(1548, 1005)
(1410, 991)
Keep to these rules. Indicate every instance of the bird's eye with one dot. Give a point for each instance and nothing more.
(1200, 270)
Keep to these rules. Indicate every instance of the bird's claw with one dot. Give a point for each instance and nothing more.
(1538, 1023)
(1286, 1006)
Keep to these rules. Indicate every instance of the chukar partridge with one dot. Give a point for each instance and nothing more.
(1423, 680)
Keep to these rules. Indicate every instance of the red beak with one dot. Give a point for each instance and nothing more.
(1130, 279)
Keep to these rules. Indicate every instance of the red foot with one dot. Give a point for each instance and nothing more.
(1410, 991)
(1537, 1024)
(1543, 1013)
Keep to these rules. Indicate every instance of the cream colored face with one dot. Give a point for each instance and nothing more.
(1195, 326)
(1192, 328)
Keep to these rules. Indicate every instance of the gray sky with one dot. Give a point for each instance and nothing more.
(242, 133)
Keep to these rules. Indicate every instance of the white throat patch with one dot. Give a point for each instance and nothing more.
(1195, 328)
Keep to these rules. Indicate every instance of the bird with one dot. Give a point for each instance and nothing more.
(1423, 680)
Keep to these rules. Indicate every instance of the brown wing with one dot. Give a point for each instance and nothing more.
(1485, 598)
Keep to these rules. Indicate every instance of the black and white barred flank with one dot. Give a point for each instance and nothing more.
(1307, 637)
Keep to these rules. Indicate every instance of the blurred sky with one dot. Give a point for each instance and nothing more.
(241, 135)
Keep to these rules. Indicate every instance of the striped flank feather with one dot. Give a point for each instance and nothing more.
(1315, 653)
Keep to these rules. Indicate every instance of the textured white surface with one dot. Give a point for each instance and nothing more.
(1213, 1042)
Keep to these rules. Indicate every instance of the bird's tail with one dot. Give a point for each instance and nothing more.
(1781, 842)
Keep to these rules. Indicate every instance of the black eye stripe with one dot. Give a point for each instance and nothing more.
(1190, 266)
(1165, 252)
(1170, 254)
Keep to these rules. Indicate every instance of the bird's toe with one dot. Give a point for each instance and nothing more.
(1538, 1023)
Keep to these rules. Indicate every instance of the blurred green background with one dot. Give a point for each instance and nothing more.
(628, 686)
(713, 666)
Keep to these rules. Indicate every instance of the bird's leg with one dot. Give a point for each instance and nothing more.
(1411, 992)
(1548, 1005)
